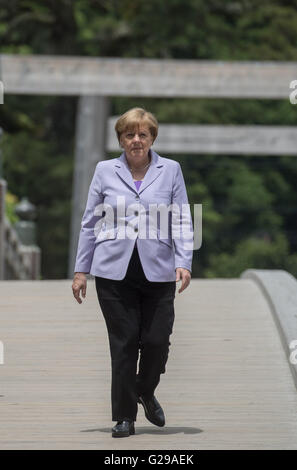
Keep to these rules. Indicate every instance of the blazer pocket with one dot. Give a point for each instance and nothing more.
(166, 241)
(103, 235)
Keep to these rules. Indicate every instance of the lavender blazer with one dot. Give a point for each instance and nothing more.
(115, 208)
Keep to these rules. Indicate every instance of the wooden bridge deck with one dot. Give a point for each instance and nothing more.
(228, 384)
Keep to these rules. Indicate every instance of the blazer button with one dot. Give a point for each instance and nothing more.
(136, 213)
(137, 198)
(135, 229)
(103, 213)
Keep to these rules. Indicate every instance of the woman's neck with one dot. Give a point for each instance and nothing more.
(138, 165)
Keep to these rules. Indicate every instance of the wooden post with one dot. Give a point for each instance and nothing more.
(2, 228)
(91, 129)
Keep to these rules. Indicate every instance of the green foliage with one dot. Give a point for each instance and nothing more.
(10, 203)
(253, 253)
(33, 169)
(248, 203)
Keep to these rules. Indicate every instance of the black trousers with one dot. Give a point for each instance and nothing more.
(139, 316)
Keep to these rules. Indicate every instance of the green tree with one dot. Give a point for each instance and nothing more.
(249, 203)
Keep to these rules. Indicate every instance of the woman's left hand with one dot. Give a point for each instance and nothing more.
(184, 275)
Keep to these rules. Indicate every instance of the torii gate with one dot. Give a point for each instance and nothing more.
(97, 79)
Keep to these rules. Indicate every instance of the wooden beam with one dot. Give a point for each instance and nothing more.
(199, 139)
(64, 75)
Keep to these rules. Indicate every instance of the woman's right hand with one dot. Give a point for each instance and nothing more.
(79, 284)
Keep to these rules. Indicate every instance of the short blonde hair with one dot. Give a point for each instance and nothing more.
(133, 118)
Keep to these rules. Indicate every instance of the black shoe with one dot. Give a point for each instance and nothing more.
(153, 410)
(123, 429)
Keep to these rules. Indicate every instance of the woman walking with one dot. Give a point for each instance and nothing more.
(136, 262)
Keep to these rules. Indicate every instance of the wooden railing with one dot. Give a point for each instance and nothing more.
(17, 261)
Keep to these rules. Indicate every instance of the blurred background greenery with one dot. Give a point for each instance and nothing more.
(249, 202)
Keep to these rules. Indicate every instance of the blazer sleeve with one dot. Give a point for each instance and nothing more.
(87, 237)
(182, 227)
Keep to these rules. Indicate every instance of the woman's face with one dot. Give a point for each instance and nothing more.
(137, 142)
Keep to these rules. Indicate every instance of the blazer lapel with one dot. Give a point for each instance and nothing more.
(123, 171)
(152, 173)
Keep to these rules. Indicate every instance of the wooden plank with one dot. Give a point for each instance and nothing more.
(227, 383)
(197, 139)
(280, 289)
(64, 75)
